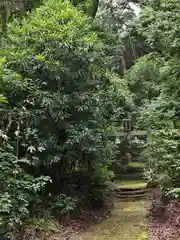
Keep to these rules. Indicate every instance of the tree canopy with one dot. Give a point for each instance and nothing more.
(69, 73)
(154, 83)
(63, 100)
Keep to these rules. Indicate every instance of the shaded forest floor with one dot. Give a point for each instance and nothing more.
(125, 222)
(167, 225)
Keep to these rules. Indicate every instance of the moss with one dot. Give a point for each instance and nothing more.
(136, 165)
(131, 184)
(125, 223)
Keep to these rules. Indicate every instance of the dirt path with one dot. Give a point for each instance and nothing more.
(125, 223)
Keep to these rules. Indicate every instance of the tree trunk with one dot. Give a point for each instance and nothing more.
(95, 4)
(4, 20)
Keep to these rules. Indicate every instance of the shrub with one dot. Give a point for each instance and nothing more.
(63, 204)
(173, 193)
(17, 191)
(61, 103)
(61, 96)
(163, 158)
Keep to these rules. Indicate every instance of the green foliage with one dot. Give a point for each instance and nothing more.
(63, 204)
(117, 19)
(154, 84)
(17, 191)
(9, 8)
(45, 224)
(160, 26)
(3, 99)
(62, 103)
(163, 158)
(113, 15)
(58, 85)
(173, 193)
(143, 79)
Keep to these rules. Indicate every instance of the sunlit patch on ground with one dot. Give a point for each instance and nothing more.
(131, 184)
(125, 223)
(140, 165)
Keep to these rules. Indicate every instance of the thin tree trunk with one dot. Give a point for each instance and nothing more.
(4, 20)
(94, 9)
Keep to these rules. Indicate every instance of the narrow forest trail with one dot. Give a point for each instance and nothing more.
(126, 222)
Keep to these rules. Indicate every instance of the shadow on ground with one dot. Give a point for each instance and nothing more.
(126, 222)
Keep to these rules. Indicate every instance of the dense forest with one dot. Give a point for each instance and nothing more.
(70, 72)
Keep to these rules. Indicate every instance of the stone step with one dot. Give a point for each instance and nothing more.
(127, 189)
(131, 197)
(134, 176)
(132, 191)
